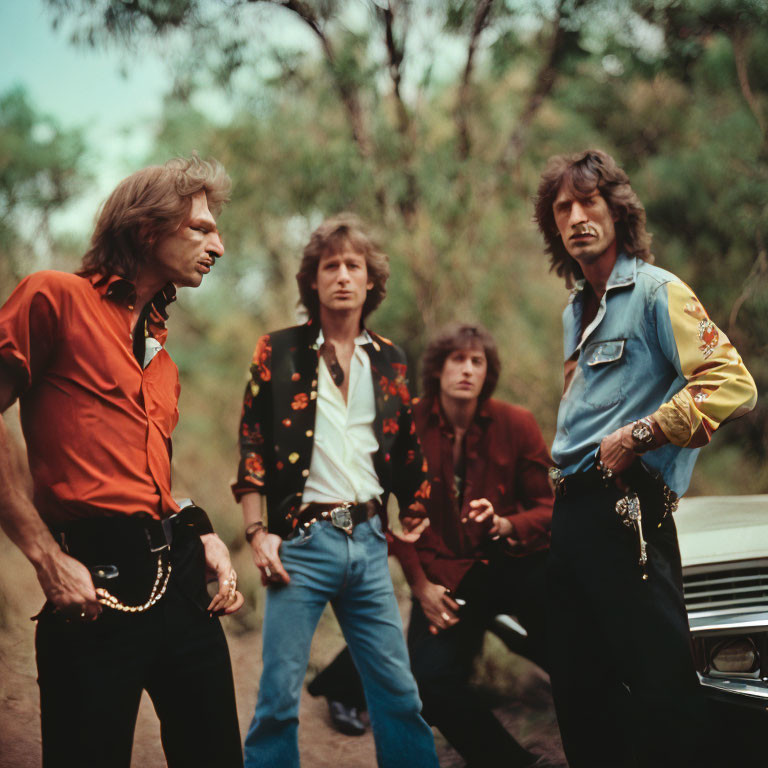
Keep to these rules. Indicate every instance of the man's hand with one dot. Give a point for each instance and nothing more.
(219, 566)
(68, 585)
(482, 509)
(265, 548)
(413, 527)
(439, 608)
(617, 450)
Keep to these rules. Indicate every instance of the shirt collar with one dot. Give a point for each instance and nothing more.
(361, 340)
(624, 273)
(123, 291)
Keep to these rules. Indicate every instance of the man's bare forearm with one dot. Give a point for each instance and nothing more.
(18, 516)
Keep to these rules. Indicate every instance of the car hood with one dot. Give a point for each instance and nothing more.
(714, 529)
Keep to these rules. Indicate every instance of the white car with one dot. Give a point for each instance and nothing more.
(724, 549)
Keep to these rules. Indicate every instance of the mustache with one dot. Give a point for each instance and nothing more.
(583, 229)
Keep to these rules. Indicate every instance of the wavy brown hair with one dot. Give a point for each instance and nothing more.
(450, 338)
(336, 235)
(147, 206)
(584, 172)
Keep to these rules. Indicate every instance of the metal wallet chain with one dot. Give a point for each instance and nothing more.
(158, 590)
(628, 509)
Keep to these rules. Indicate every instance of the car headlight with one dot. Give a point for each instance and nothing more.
(735, 656)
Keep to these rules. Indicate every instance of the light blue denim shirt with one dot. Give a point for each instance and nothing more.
(628, 365)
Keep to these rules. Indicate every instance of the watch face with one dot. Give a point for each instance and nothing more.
(642, 433)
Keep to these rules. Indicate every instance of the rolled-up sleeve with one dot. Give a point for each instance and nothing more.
(28, 328)
(718, 388)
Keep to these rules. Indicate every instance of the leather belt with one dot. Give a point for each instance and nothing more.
(581, 482)
(344, 516)
(159, 533)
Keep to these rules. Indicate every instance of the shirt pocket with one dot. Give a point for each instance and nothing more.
(605, 371)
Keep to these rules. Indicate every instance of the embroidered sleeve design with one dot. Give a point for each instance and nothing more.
(262, 359)
(255, 423)
(719, 386)
(254, 469)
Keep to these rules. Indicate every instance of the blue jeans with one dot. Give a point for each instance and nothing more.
(325, 564)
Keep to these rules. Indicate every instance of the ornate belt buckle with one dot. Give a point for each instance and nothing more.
(341, 517)
(556, 480)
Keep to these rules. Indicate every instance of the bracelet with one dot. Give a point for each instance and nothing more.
(253, 529)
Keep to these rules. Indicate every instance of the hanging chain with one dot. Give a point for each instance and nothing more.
(109, 600)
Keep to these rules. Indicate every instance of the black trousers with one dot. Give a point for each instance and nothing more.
(623, 678)
(92, 674)
(442, 664)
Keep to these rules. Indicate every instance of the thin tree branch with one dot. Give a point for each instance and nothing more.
(739, 39)
(395, 56)
(347, 92)
(758, 272)
(482, 12)
(543, 85)
(407, 202)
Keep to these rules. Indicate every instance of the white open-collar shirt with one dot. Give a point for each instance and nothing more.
(344, 441)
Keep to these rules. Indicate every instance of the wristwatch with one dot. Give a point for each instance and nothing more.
(642, 435)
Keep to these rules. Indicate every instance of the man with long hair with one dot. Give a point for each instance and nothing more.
(648, 379)
(122, 566)
(326, 435)
(484, 552)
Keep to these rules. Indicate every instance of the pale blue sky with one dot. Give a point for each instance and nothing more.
(84, 88)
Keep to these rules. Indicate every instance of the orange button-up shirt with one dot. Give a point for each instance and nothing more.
(97, 424)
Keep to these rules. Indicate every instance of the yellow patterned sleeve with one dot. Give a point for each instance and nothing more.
(719, 386)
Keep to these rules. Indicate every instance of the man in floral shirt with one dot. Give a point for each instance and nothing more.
(326, 434)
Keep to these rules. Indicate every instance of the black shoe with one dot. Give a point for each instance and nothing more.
(345, 719)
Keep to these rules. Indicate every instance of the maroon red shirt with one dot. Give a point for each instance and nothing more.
(506, 462)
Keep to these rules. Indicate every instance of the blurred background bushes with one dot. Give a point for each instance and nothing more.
(432, 120)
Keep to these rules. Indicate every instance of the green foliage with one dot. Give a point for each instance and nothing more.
(40, 172)
(385, 113)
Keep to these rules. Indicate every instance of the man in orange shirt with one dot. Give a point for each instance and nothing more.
(123, 568)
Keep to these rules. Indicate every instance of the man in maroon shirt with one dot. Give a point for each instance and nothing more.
(123, 568)
(484, 552)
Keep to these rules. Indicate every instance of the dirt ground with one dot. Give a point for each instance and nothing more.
(528, 714)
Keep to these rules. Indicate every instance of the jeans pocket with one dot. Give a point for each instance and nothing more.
(301, 537)
(376, 527)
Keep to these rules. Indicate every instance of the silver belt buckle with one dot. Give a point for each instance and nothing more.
(341, 517)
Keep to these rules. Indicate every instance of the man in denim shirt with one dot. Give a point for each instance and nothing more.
(648, 379)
